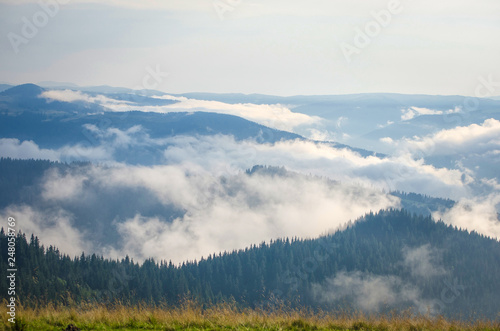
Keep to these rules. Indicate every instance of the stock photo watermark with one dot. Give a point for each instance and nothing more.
(223, 6)
(449, 293)
(32, 26)
(293, 278)
(364, 36)
(12, 269)
(115, 286)
(152, 79)
(487, 87)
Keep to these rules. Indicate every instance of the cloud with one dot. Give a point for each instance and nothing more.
(423, 261)
(472, 155)
(73, 96)
(16, 149)
(472, 139)
(52, 227)
(373, 293)
(368, 292)
(387, 140)
(394, 173)
(57, 186)
(216, 213)
(321, 135)
(203, 178)
(230, 213)
(275, 115)
(223, 154)
(113, 138)
(233, 212)
(385, 125)
(412, 112)
(478, 214)
(341, 121)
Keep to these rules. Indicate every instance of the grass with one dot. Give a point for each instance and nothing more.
(189, 316)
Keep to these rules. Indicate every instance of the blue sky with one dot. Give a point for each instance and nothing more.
(255, 46)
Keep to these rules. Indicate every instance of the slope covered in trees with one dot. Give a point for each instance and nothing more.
(388, 260)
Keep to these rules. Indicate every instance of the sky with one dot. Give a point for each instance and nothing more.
(253, 46)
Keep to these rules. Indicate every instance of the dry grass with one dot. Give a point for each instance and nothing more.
(190, 316)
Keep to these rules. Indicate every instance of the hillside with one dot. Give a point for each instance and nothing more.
(389, 260)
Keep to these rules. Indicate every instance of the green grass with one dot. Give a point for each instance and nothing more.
(222, 317)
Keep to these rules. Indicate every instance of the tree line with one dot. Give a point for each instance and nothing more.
(282, 272)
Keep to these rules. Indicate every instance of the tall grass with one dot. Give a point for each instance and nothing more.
(190, 316)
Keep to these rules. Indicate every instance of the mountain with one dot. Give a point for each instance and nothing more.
(388, 261)
(359, 120)
(22, 99)
(73, 129)
(362, 120)
(24, 115)
(165, 176)
(27, 116)
(28, 98)
(4, 87)
(25, 91)
(96, 89)
(385, 122)
(57, 85)
(427, 124)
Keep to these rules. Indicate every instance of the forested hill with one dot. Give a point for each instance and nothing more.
(387, 260)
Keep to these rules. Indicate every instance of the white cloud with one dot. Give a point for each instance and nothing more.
(52, 227)
(221, 153)
(16, 149)
(59, 186)
(220, 213)
(472, 139)
(369, 293)
(275, 115)
(372, 293)
(235, 212)
(321, 135)
(423, 261)
(474, 214)
(242, 210)
(72, 96)
(387, 140)
(410, 113)
(248, 209)
(341, 121)
(386, 124)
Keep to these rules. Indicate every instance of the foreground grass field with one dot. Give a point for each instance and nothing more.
(224, 317)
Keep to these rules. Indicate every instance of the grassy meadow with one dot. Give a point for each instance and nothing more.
(222, 317)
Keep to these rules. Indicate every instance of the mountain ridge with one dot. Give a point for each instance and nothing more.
(392, 249)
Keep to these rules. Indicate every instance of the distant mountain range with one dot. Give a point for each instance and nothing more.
(359, 120)
(144, 174)
(53, 124)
